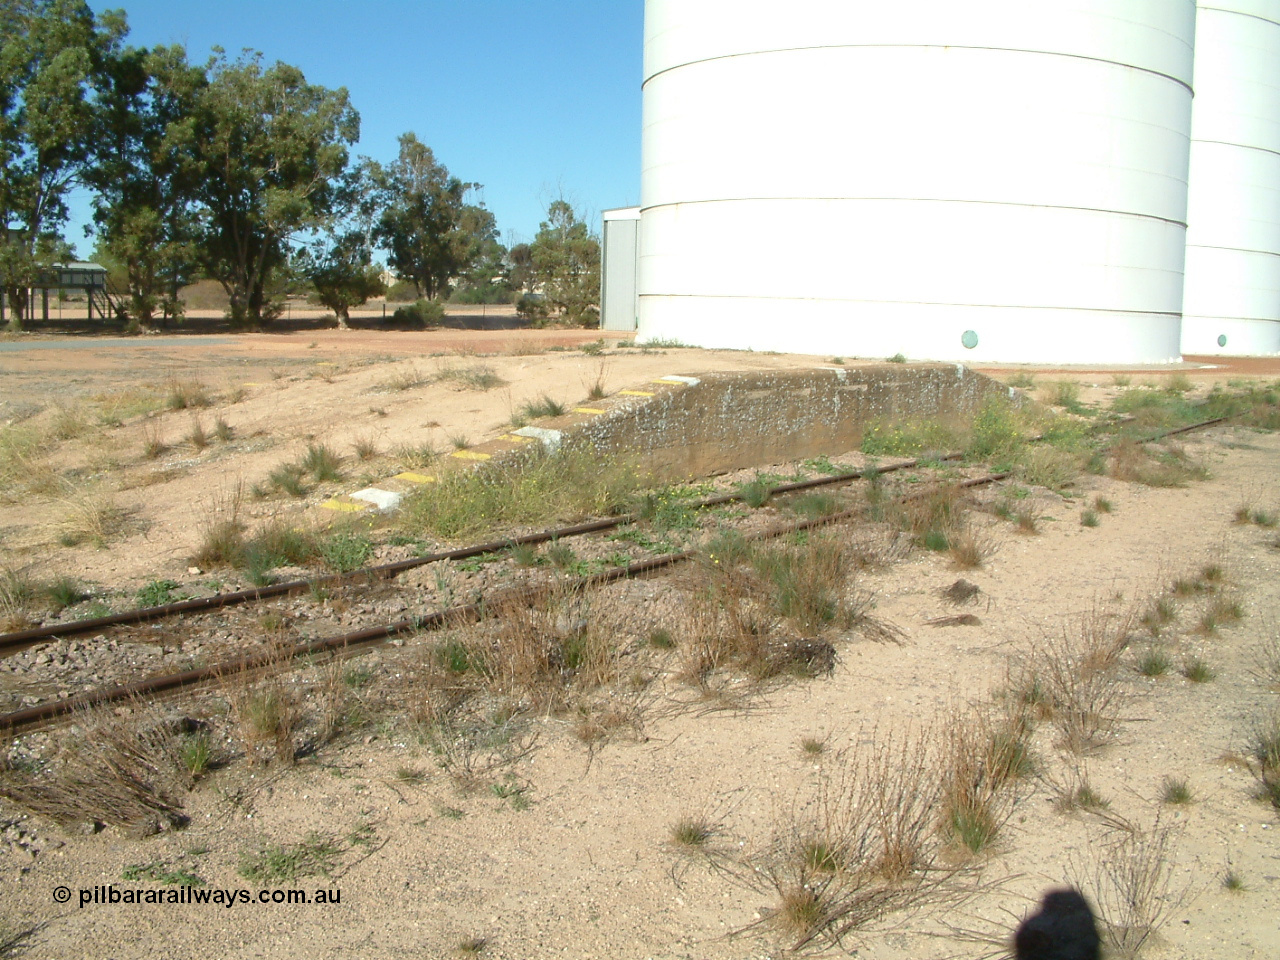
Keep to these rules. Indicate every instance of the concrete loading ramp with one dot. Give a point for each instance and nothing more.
(683, 426)
(729, 421)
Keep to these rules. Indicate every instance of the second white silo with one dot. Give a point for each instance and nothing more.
(995, 180)
(1231, 303)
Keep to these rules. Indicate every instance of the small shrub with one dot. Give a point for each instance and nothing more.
(477, 377)
(317, 854)
(969, 546)
(186, 394)
(754, 493)
(1026, 518)
(1233, 881)
(1132, 882)
(64, 592)
(1088, 518)
(156, 593)
(223, 430)
(93, 519)
(344, 552)
(897, 358)
(365, 448)
(420, 313)
(153, 445)
(222, 540)
(815, 505)
(660, 638)
(523, 554)
(1065, 393)
(561, 555)
(1087, 798)
(267, 718)
(1174, 790)
(1264, 518)
(691, 832)
(322, 463)
(1154, 662)
(813, 746)
(1197, 671)
(1102, 505)
(196, 751)
(197, 437)
(288, 478)
(542, 408)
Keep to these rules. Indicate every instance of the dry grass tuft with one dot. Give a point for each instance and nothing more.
(984, 759)
(186, 394)
(124, 770)
(94, 518)
(1154, 466)
(266, 716)
(153, 445)
(1080, 679)
(1131, 879)
(861, 848)
(969, 545)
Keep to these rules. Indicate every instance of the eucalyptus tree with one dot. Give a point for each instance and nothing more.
(53, 58)
(339, 261)
(145, 176)
(271, 150)
(431, 233)
(565, 258)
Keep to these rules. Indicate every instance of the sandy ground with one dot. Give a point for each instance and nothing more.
(588, 869)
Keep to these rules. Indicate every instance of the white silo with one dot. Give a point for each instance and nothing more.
(999, 180)
(1231, 302)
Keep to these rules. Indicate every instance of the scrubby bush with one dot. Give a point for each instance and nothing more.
(420, 313)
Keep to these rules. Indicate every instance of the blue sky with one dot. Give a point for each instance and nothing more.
(531, 98)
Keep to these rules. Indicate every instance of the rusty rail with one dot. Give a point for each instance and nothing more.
(21, 638)
(41, 713)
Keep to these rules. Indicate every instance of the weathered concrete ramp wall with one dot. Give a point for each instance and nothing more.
(729, 421)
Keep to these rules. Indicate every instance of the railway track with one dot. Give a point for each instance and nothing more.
(350, 642)
(21, 638)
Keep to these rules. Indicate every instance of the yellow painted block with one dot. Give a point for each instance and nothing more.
(251, 384)
(510, 438)
(415, 477)
(471, 455)
(634, 393)
(344, 507)
(587, 410)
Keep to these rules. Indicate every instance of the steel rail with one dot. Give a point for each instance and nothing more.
(45, 712)
(20, 638)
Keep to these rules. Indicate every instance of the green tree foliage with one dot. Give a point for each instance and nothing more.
(485, 279)
(53, 56)
(519, 267)
(339, 263)
(270, 148)
(145, 177)
(566, 262)
(431, 234)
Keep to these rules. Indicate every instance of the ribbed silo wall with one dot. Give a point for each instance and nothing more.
(867, 178)
(1231, 302)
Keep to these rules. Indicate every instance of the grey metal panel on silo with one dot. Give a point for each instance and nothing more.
(618, 297)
